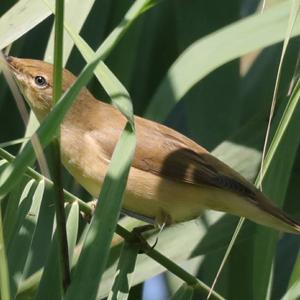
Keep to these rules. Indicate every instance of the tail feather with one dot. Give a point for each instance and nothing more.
(278, 218)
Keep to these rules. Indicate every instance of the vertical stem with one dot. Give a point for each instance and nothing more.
(57, 170)
(56, 175)
(4, 277)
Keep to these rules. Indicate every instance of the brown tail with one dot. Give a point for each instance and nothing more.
(277, 218)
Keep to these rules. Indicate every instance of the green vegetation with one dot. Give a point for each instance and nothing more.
(197, 66)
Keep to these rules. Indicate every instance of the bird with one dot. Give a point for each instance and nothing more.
(172, 179)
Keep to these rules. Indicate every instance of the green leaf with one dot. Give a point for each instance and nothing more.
(185, 292)
(293, 291)
(27, 215)
(50, 286)
(208, 53)
(40, 246)
(13, 142)
(76, 13)
(279, 163)
(72, 226)
(12, 213)
(113, 87)
(124, 273)
(51, 283)
(22, 17)
(4, 274)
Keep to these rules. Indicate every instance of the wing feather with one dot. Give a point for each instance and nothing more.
(169, 154)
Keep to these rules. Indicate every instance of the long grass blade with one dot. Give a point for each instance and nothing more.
(4, 275)
(204, 55)
(24, 229)
(21, 18)
(292, 19)
(64, 264)
(123, 277)
(293, 291)
(185, 292)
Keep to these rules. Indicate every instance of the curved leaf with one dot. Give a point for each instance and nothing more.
(216, 49)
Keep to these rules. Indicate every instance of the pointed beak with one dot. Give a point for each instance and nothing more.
(9, 59)
(5, 56)
(11, 62)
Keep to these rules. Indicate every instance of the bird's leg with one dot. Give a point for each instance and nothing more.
(88, 216)
(92, 204)
(137, 236)
(161, 227)
(160, 223)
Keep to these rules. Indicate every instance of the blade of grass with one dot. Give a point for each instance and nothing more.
(64, 264)
(204, 56)
(42, 142)
(21, 18)
(34, 279)
(264, 240)
(48, 283)
(279, 160)
(293, 291)
(123, 277)
(120, 95)
(76, 13)
(14, 142)
(42, 237)
(72, 226)
(12, 211)
(294, 10)
(4, 275)
(91, 250)
(291, 22)
(84, 207)
(31, 283)
(226, 255)
(197, 285)
(51, 286)
(281, 155)
(26, 222)
(285, 121)
(58, 50)
(185, 292)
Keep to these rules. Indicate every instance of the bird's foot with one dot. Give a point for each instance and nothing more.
(137, 233)
(88, 216)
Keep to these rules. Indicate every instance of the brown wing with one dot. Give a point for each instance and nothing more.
(169, 154)
(165, 152)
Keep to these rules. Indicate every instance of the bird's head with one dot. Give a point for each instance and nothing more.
(35, 79)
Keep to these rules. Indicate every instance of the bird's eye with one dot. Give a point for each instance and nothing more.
(40, 81)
